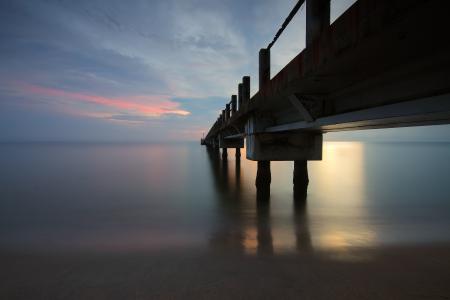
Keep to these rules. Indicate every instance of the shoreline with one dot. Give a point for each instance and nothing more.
(394, 272)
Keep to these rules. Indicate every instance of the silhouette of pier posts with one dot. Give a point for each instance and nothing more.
(263, 174)
(234, 103)
(372, 68)
(300, 179)
(224, 154)
(264, 146)
(317, 19)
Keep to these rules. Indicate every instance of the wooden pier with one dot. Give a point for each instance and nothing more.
(381, 64)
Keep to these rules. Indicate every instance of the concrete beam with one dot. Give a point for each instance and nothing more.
(427, 111)
(297, 103)
(235, 136)
(230, 143)
(257, 123)
(284, 146)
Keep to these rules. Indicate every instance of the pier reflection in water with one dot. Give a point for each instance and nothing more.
(283, 224)
(244, 223)
(153, 197)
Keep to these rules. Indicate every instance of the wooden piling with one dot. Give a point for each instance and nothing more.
(233, 104)
(263, 174)
(317, 19)
(263, 180)
(264, 67)
(300, 179)
(238, 153)
(240, 86)
(245, 89)
(224, 154)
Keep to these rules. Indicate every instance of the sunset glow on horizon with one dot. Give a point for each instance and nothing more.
(135, 71)
(151, 106)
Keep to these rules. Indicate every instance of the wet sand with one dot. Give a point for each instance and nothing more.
(408, 272)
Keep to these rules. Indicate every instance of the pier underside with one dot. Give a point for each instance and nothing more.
(382, 64)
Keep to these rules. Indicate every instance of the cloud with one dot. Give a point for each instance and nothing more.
(168, 66)
(145, 106)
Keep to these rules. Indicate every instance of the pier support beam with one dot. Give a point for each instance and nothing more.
(231, 143)
(263, 179)
(263, 175)
(298, 147)
(224, 154)
(301, 179)
(284, 146)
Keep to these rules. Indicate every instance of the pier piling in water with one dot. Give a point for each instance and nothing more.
(301, 179)
(263, 179)
(263, 175)
(238, 153)
(224, 154)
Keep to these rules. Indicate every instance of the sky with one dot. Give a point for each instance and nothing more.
(113, 70)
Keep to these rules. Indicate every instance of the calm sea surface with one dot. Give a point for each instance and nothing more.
(146, 197)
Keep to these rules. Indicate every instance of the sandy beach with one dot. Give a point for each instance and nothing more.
(408, 272)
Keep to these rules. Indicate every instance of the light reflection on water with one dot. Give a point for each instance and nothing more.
(126, 197)
(283, 225)
(344, 178)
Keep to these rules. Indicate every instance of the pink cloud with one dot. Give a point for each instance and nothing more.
(152, 106)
